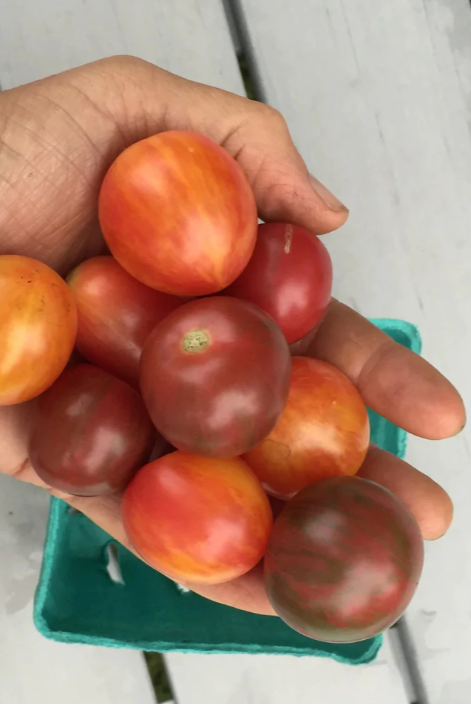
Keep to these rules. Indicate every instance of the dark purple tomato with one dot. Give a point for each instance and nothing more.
(215, 376)
(92, 433)
(289, 276)
(343, 561)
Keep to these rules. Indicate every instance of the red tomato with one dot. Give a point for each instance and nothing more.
(92, 433)
(289, 276)
(343, 561)
(116, 313)
(215, 376)
(323, 431)
(38, 326)
(196, 519)
(178, 213)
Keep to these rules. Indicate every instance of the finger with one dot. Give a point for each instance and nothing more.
(15, 425)
(255, 134)
(428, 502)
(63, 133)
(393, 381)
(284, 190)
(247, 592)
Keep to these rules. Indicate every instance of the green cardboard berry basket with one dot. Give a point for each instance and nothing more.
(78, 602)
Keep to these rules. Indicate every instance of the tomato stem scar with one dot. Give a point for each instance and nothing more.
(195, 341)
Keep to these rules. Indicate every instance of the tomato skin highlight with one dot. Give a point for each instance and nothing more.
(323, 431)
(92, 433)
(116, 314)
(38, 327)
(289, 276)
(215, 376)
(197, 519)
(178, 213)
(343, 561)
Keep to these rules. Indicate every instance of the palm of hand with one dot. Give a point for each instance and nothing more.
(58, 137)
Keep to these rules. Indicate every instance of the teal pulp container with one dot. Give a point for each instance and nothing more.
(77, 601)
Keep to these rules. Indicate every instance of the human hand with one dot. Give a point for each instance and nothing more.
(57, 139)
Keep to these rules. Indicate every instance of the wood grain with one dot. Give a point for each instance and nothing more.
(378, 103)
(187, 37)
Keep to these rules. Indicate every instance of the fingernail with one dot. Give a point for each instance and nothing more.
(327, 197)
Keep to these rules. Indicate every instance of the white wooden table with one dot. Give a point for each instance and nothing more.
(378, 97)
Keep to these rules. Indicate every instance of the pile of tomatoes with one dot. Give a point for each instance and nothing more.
(190, 399)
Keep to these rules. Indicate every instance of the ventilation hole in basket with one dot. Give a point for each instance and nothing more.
(182, 589)
(112, 564)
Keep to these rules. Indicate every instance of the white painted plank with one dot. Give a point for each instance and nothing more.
(186, 37)
(33, 669)
(378, 102)
(264, 679)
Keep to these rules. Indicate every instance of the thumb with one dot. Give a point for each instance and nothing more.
(64, 132)
(284, 189)
(258, 137)
(145, 99)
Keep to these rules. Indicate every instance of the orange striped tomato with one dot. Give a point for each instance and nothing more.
(38, 326)
(197, 519)
(178, 214)
(322, 432)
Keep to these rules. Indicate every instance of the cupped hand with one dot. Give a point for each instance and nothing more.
(58, 136)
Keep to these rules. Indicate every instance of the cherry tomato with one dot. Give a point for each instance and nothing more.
(343, 561)
(116, 313)
(92, 433)
(289, 276)
(215, 376)
(323, 431)
(178, 213)
(196, 519)
(38, 326)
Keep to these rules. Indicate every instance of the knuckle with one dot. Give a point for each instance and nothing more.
(273, 117)
(123, 67)
(121, 62)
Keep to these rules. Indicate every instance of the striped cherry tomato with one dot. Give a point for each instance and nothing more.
(343, 561)
(323, 431)
(178, 213)
(197, 519)
(38, 326)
